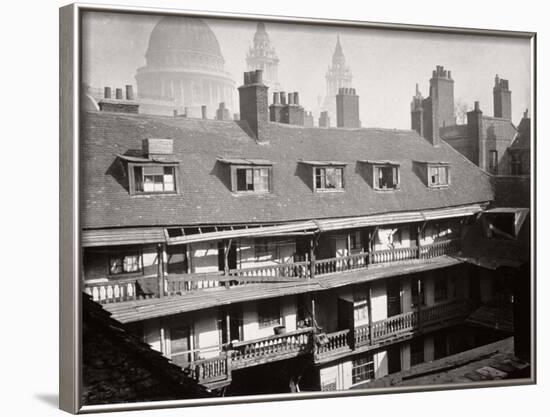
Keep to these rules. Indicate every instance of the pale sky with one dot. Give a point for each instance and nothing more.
(385, 64)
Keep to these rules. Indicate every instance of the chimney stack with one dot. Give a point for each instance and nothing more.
(502, 99)
(129, 92)
(347, 108)
(324, 119)
(475, 135)
(276, 108)
(293, 113)
(119, 104)
(222, 113)
(253, 103)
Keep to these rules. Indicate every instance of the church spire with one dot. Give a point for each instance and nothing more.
(262, 56)
(338, 76)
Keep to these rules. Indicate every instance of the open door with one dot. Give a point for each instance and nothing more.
(345, 314)
(231, 256)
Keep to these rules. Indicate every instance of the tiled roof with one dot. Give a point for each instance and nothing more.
(498, 129)
(205, 195)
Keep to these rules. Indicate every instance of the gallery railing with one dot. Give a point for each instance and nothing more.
(130, 289)
(270, 348)
(342, 340)
(205, 371)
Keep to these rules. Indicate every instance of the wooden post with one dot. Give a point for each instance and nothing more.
(226, 248)
(418, 234)
(312, 257)
(348, 247)
(228, 327)
(160, 269)
(418, 302)
(369, 308)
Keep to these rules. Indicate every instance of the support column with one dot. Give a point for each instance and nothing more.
(312, 257)
(160, 268)
(228, 327)
(369, 307)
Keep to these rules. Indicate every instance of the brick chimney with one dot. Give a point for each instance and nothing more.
(222, 113)
(253, 103)
(347, 108)
(475, 135)
(324, 119)
(119, 104)
(502, 99)
(276, 108)
(293, 113)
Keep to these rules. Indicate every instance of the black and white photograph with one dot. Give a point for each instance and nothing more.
(297, 208)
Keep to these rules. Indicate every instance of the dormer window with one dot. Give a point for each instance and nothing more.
(327, 175)
(155, 179)
(438, 175)
(155, 171)
(249, 175)
(383, 175)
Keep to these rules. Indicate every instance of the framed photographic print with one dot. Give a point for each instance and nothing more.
(262, 208)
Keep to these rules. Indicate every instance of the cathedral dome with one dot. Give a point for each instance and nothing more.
(184, 42)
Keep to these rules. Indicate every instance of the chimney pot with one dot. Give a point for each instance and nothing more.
(203, 111)
(476, 105)
(296, 98)
(283, 97)
(258, 79)
(175, 112)
(107, 92)
(118, 93)
(276, 98)
(129, 92)
(290, 98)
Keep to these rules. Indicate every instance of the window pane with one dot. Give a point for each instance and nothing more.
(387, 177)
(241, 180)
(115, 266)
(249, 180)
(333, 178)
(138, 178)
(148, 184)
(319, 178)
(442, 175)
(261, 179)
(434, 178)
(154, 170)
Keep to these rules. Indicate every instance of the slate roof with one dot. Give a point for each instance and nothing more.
(494, 128)
(205, 196)
(523, 139)
(118, 367)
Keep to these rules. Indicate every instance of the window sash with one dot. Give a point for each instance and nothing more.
(387, 177)
(329, 178)
(269, 314)
(362, 370)
(125, 264)
(438, 175)
(252, 180)
(154, 179)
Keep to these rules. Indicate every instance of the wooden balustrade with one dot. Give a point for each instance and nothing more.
(361, 335)
(339, 264)
(446, 311)
(393, 255)
(333, 342)
(206, 371)
(444, 247)
(113, 291)
(394, 325)
(182, 283)
(269, 348)
(268, 272)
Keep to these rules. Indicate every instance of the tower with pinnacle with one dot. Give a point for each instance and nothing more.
(338, 76)
(262, 56)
